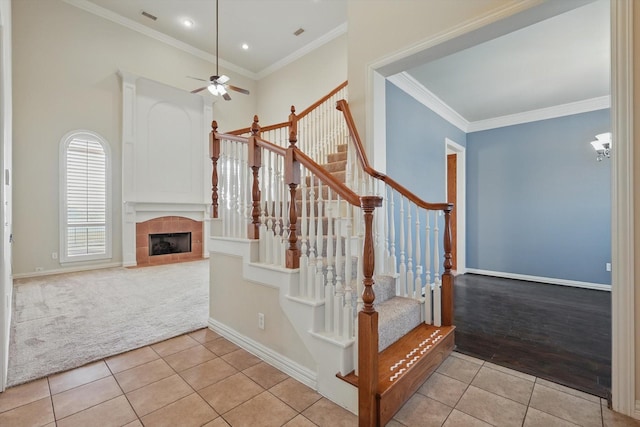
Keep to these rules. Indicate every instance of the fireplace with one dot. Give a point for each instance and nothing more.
(167, 240)
(169, 243)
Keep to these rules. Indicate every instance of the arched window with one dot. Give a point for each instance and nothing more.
(85, 208)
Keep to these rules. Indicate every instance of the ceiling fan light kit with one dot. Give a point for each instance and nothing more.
(218, 83)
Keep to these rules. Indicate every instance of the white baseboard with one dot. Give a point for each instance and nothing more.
(293, 369)
(66, 270)
(549, 280)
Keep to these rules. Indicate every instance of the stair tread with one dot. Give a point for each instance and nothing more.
(395, 357)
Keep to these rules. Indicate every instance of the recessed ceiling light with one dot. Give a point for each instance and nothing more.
(187, 23)
(245, 46)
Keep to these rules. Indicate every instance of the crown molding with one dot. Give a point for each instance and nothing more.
(333, 34)
(562, 110)
(416, 90)
(157, 35)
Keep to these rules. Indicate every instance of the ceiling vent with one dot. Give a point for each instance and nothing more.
(148, 15)
(298, 31)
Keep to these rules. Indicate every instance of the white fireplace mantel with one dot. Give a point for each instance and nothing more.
(166, 170)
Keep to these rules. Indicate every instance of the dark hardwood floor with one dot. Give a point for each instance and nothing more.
(558, 333)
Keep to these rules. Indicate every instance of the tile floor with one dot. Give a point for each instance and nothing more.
(201, 379)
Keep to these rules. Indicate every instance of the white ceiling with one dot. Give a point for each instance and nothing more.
(267, 26)
(561, 60)
(564, 59)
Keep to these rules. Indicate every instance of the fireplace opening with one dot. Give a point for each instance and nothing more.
(169, 243)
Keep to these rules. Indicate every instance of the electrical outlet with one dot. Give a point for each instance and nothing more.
(54, 255)
(608, 266)
(261, 320)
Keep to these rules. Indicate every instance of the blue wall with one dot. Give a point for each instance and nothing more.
(416, 157)
(416, 152)
(538, 202)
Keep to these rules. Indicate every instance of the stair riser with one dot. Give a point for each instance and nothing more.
(338, 166)
(337, 157)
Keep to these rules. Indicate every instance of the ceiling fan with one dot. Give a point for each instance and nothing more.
(218, 84)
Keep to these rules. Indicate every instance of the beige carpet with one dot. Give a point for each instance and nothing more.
(64, 321)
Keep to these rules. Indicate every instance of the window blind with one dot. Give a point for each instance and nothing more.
(86, 198)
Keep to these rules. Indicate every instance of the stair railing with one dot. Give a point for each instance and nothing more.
(414, 231)
(319, 128)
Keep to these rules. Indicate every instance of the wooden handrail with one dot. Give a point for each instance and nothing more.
(321, 100)
(342, 105)
(298, 117)
(263, 129)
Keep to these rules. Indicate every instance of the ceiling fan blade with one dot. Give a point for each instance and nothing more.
(199, 89)
(222, 79)
(197, 78)
(226, 97)
(238, 89)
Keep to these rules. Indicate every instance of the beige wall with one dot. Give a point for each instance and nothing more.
(302, 82)
(236, 302)
(636, 162)
(65, 62)
(379, 28)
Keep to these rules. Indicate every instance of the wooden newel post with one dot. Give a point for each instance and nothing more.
(447, 276)
(293, 123)
(292, 179)
(255, 161)
(368, 325)
(214, 154)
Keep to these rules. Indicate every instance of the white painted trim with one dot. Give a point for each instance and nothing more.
(315, 44)
(546, 280)
(623, 357)
(461, 196)
(66, 270)
(305, 375)
(378, 154)
(416, 90)
(157, 35)
(584, 106)
(62, 169)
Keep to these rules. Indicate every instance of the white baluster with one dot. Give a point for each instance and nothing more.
(393, 267)
(330, 287)
(427, 265)
(284, 238)
(410, 279)
(246, 193)
(304, 258)
(277, 229)
(403, 266)
(270, 212)
(320, 280)
(437, 303)
(436, 248)
(262, 230)
(437, 291)
(338, 310)
(417, 286)
(348, 276)
(311, 273)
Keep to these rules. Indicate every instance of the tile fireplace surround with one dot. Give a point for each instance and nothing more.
(168, 224)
